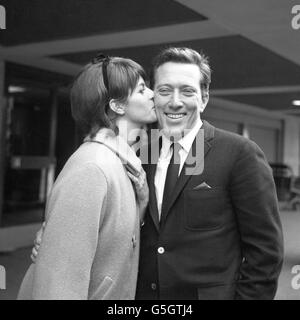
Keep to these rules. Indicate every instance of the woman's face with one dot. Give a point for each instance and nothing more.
(140, 106)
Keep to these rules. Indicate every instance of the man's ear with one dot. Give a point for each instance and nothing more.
(205, 98)
(117, 107)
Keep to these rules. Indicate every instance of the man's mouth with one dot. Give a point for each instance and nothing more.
(175, 115)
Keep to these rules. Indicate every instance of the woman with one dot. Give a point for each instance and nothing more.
(90, 245)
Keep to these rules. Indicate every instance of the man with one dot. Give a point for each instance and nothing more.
(216, 235)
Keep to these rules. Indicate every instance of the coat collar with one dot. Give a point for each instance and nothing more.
(120, 147)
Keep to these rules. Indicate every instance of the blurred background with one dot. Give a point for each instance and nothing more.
(254, 52)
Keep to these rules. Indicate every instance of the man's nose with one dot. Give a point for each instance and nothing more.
(176, 100)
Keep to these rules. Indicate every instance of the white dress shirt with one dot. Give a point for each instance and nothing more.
(165, 157)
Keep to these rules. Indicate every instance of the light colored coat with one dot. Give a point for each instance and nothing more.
(90, 247)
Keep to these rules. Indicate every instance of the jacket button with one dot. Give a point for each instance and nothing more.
(160, 250)
(134, 241)
(153, 286)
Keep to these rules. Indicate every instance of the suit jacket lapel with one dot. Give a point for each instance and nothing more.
(151, 176)
(152, 199)
(188, 171)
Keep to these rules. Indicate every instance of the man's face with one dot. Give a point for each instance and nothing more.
(177, 96)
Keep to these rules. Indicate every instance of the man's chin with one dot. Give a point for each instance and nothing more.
(173, 133)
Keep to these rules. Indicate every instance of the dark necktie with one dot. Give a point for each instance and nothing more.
(172, 175)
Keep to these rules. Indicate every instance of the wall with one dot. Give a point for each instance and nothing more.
(291, 143)
(263, 127)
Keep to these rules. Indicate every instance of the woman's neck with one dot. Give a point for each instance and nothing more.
(128, 131)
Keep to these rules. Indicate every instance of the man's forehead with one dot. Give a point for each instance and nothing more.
(168, 70)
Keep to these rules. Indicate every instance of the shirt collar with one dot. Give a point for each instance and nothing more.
(185, 142)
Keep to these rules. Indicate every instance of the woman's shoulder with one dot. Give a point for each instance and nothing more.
(93, 152)
(93, 155)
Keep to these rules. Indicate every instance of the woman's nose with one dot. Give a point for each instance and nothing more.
(151, 94)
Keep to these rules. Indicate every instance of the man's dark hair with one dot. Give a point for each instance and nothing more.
(185, 55)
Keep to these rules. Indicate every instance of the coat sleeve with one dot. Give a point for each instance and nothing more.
(69, 243)
(254, 198)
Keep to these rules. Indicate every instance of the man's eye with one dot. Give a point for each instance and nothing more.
(164, 91)
(188, 92)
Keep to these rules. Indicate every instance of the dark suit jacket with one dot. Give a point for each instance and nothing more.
(223, 242)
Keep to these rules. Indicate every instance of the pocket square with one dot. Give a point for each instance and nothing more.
(202, 185)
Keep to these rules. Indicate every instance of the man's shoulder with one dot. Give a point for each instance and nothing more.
(230, 137)
(236, 142)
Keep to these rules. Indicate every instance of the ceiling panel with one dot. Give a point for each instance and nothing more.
(35, 20)
(236, 62)
(278, 101)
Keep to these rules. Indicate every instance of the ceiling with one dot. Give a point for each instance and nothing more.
(253, 49)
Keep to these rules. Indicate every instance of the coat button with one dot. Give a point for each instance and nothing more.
(153, 286)
(134, 241)
(160, 250)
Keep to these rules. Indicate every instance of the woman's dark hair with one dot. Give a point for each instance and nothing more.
(90, 96)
